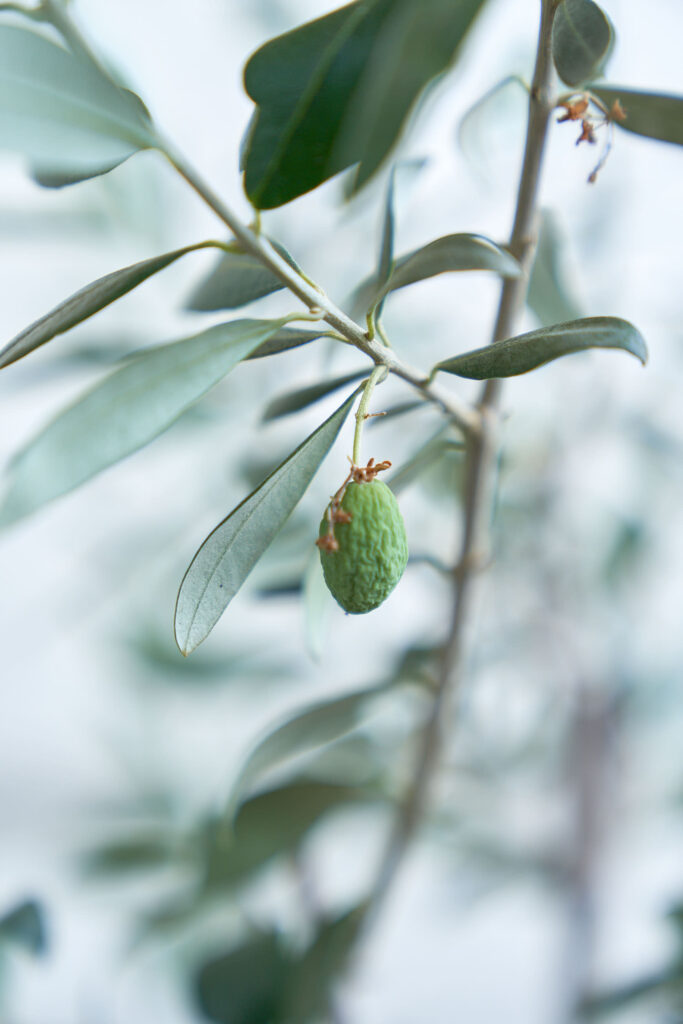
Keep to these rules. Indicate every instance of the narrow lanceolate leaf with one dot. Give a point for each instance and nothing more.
(231, 551)
(294, 401)
(89, 300)
(312, 727)
(337, 90)
(237, 278)
(581, 40)
(653, 114)
(126, 411)
(549, 295)
(59, 110)
(287, 338)
(450, 253)
(526, 352)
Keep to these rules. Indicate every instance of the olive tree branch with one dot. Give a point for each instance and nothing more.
(481, 457)
(463, 415)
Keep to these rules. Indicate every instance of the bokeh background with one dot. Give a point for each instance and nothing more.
(553, 853)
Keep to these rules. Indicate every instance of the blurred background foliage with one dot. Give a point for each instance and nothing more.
(547, 882)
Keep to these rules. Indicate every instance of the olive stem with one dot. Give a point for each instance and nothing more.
(480, 468)
(378, 374)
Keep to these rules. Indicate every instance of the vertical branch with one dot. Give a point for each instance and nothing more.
(481, 456)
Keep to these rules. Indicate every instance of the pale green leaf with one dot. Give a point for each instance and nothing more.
(126, 411)
(89, 300)
(652, 114)
(311, 727)
(317, 605)
(294, 401)
(288, 338)
(231, 551)
(60, 110)
(528, 351)
(581, 39)
(549, 295)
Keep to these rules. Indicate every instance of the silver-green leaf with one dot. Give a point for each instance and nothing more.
(61, 111)
(311, 727)
(450, 253)
(294, 401)
(655, 115)
(237, 278)
(550, 295)
(231, 551)
(581, 39)
(127, 410)
(89, 300)
(527, 351)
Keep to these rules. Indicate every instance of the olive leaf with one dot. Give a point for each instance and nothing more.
(288, 338)
(311, 727)
(89, 300)
(61, 111)
(237, 278)
(294, 401)
(446, 254)
(127, 410)
(652, 114)
(581, 40)
(337, 90)
(528, 351)
(230, 552)
(24, 925)
(244, 985)
(549, 295)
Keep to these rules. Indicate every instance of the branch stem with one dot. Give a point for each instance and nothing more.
(481, 459)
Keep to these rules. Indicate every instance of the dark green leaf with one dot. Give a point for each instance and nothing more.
(293, 401)
(138, 853)
(311, 727)
(272, 824)
(450, 253)
(653, 114)
(337, 90)
(237, 278)
(89, 300)
(60, 110)
(24, 926)
(245, 985)
(527, 351)
(313, 975)
(231, 551)
(549, 296)
(288, 337)
(581, 39)
(126, 411)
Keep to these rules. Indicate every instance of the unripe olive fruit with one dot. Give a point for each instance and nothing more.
(365, 557)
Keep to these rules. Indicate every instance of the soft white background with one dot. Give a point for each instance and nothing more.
(81, 725)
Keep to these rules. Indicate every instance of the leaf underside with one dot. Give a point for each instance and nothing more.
(581, 39)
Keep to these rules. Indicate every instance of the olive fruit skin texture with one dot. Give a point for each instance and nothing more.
(373, 548)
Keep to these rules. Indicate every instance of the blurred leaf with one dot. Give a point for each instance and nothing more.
(628, 543)
(135, 853)
(312, 977)
(652, 114)
(294, 401)
(450, 253)
(581, 39)
(317, 605)
(311, 727)
(230, 552)
(337, 90)
(287, 338)
(237, 278)
(24, 926)
(528, 351)
(548, 296)
(271, 824)
(245, 985)
(480, 108)
(60, 110)
(126, 411)
(400, 409)
(423, 459)
(89, 300)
